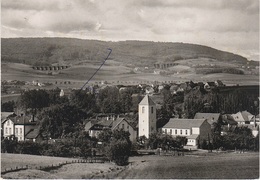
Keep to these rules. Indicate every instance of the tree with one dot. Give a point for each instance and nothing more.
(59, 120)
(239, 138)
(125, 101)
(108, 100)
(34, 100)
(7, 106)
(84, 100)
(119, 147)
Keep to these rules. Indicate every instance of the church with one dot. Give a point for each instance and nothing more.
(146, 117)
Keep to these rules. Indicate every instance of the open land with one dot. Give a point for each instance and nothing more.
(195, 165)
(117, 74)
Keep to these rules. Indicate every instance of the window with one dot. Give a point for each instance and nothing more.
(180, 131)
(186, 131)
(21, 130)
(8, 123)
(16, 130)
(123, 126)
(6, 130)
(170, 132)
(165, 131)
(143, 109)
(152, 110)
(10, 131)
(175, 131)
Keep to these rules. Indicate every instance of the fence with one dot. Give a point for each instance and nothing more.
(56, 166)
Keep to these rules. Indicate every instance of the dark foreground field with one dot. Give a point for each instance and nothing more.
(198, 166)
(219, 166)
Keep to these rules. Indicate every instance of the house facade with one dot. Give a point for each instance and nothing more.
(147, 117)
(95, 128)
(19, 126)
(195, 130)
(122, 123)
(242, 117)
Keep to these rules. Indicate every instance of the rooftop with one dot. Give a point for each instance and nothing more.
(184, 123)
(147, 101)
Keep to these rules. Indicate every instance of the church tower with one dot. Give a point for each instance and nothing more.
(147, 117)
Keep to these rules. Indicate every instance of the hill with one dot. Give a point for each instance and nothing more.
(47, 51)
(130, 61)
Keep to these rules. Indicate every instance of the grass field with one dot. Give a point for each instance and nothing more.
(114, 72)
(71, 171)
(213, 166)
(198, 166)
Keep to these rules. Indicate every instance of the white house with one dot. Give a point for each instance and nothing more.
(196, 130)
(18, 126)
(243, 117)
(147, 117)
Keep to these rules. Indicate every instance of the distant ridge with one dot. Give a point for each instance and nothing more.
(47, 51)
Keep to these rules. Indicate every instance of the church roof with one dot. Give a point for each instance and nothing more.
(147, 101)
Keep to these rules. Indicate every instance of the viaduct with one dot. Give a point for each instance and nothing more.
(164, 65)
(49, 68)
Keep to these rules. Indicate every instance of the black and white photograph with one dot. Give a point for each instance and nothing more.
(130, 89)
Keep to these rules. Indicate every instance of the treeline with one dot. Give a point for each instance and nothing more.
(116, 146)
(221, 100)
(59, 116)
(219, 70)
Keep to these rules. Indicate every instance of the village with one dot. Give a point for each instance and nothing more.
(144, 111)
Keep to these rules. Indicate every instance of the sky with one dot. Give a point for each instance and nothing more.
(229, 25)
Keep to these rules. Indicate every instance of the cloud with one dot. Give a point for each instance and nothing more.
(226, 24)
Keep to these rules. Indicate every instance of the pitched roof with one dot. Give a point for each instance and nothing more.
(184, 123)
(23, 120)
(241, 116)
(211, 117)
(32, 134)
(147, 101)
(193, 136)
(245, 115)
(116, 122)
(5, 115)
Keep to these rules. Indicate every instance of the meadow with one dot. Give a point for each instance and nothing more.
(210, 166)
(192, 166)
(117, 74)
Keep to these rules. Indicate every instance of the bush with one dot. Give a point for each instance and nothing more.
(119, 152)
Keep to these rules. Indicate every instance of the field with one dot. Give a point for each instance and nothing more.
(114, 73)
(199, 166)
(73, 171)
(212, 166)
